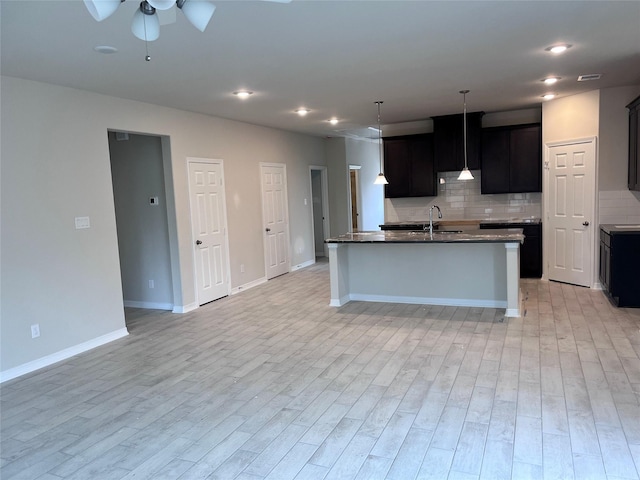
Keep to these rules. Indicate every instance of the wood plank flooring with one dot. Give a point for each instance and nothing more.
(275, 384)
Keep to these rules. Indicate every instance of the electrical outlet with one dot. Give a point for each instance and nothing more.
(82, 222)
(152, 284)
(35, 330)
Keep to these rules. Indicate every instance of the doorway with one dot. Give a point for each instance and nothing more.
(275, 216)
(571, 232)
(319, 209)
(209, 229)
(140, 201)
(354, 197)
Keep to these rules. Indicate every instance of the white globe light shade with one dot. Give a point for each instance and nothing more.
(101, 9)
(161, 4)
(198, 13)
(148, 24)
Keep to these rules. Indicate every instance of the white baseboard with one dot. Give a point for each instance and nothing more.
(61, 355)
(449, 302)
(249, 285)
(302, 265)
(184, 308)
(149, 305)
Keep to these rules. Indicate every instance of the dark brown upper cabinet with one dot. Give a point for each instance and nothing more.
(448, 141)
(512, 159)
(634, 145)
(409, 166)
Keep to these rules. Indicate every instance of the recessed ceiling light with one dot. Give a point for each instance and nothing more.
(302, 111)
(106, 49)
(243, 93)
(561, 47)
(334, 121)
(549, 96)
(550, 80)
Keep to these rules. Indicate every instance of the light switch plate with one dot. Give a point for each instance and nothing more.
(83, 222)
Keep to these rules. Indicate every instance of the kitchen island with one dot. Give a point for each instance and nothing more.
(474, 268)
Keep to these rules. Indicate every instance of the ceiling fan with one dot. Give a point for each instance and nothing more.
(145, 24)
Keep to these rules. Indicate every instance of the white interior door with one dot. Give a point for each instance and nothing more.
(571, 212)
(209, 225)
(275, 216)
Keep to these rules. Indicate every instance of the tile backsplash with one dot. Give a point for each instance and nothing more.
(462, 199)
(619, 206)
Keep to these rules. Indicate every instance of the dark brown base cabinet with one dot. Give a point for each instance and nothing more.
(530, 250)
(620, 265)
(409, 166)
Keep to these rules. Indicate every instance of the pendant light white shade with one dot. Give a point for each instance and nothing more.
(101, 9)
(198, 13)
(465, 174)
(381, 179)
(145, 27)
(162, 4)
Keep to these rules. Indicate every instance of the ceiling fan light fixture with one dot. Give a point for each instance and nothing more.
(161, 4)
(145, 24)
(101, 9)
(198, 13)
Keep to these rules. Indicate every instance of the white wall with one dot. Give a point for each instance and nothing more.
(365, 153)
(616, 203)
(55, 166)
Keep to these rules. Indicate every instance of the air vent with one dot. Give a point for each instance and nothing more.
(591, 76)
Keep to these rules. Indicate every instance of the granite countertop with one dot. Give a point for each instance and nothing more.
(511, 235)
(621, 228)
(464, 221)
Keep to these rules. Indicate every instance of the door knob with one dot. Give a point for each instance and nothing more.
(267, 229)
(585, 223)
(198, 242)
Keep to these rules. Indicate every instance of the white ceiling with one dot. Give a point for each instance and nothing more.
(334, 57)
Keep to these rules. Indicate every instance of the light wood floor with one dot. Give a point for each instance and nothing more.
(273, 383)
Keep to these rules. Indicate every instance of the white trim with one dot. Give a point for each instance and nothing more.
(61, 355)
(211, 161)
(324, 187)
(248, 285)
(303, 265)
(149, 305)
(185, 308)
(449, 302)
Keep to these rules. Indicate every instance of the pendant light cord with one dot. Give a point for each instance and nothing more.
(464, 119)
(379, 136)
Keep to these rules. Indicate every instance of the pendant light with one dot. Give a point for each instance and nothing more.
(465, 174)
(380, 179)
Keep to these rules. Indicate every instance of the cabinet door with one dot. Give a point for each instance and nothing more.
(397, 168)
(448, 138)
(423, 175)
(495, 161)
(525, 172)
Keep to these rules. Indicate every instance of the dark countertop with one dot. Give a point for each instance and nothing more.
(419, 224)
(620, 228)
(511, 235)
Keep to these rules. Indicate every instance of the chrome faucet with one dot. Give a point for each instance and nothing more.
(431, 217)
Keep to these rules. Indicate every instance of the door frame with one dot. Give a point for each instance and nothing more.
(324, 187)
(546, 234)
(220, 162)
(356, 169)
(286, 206)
